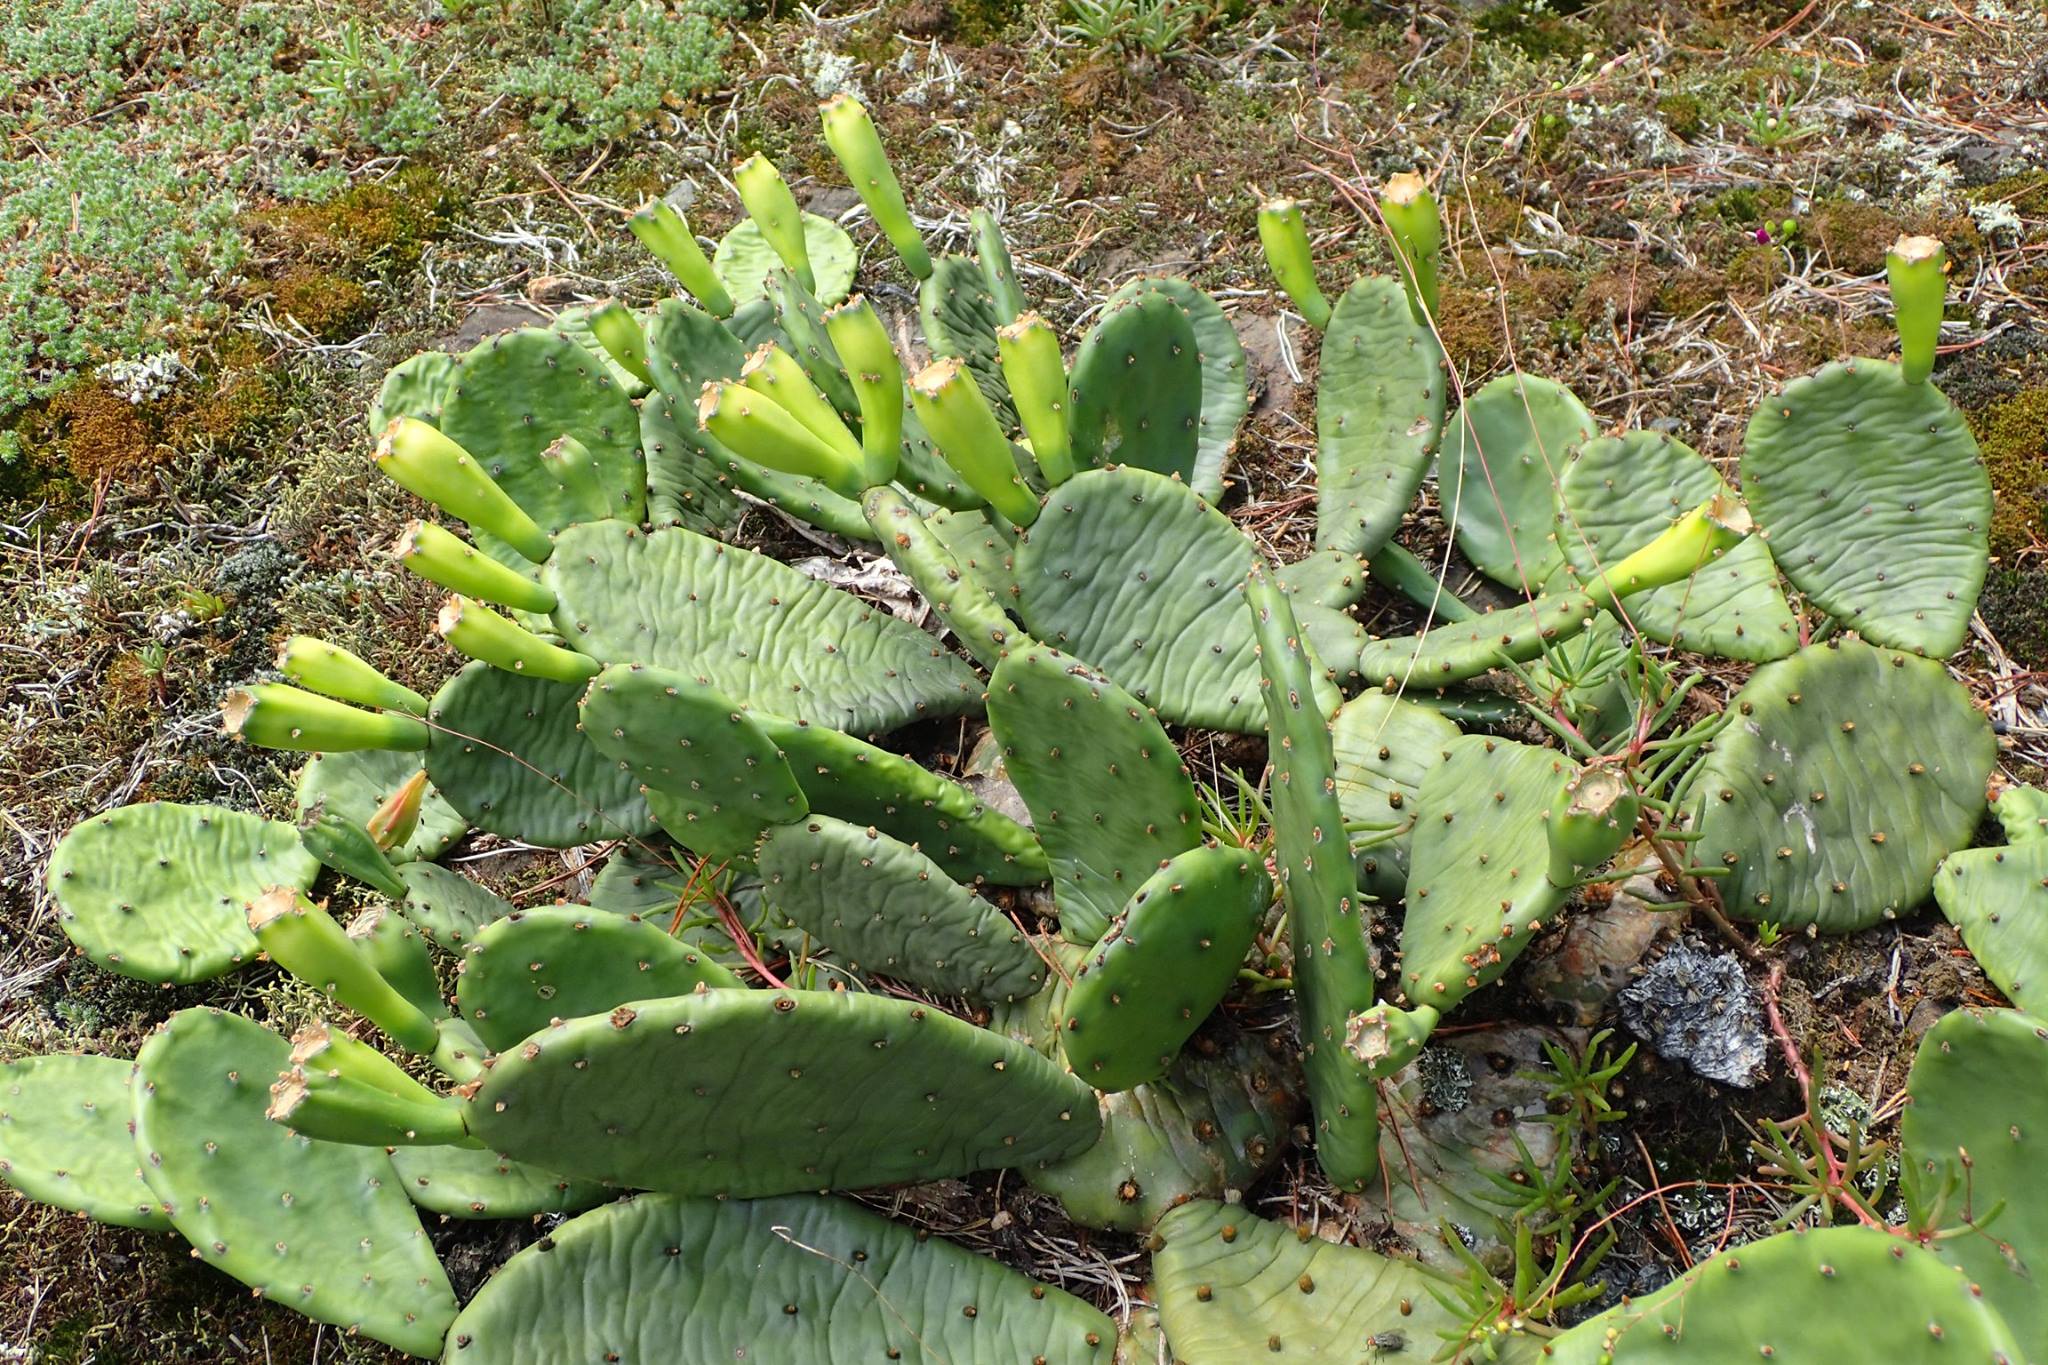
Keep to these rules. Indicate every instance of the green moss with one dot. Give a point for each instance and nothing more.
(373, 229)
(1682, 113)
(2015, 606)
(983, 21)
(330, 307)
(2013, 436)
(2027, 192)
(1537, 31)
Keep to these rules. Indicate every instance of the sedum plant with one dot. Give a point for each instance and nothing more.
(813, 966)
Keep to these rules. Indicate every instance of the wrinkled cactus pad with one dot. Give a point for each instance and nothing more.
(1137, 388)
(446, 906)
(1385, 747)
(462, 1182)
(64, 1138)
(1225, 395)
(743, 260)
(1379, 415)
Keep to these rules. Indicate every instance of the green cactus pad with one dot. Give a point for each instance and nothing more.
(715, 780)
(1234, 1288)
(1618, 493)
(353, 785)
(1502, 455)
(684, 484)
(1333, 959)
(743, 260)
(1215, 1122)
(462, 1182)
(1477, 864)
(515, 394)
(508, 753)
(2023, 813)
(1137, 388)
(1327, 578)
(754, 629)
(750, 1093)
(1133, 573)
(158, 891)
(1998, 899)
(574, 323)
(888, 909)
(1849, 774)
(1108, 795)
(446, 906)
(959, 317)
(1164, 963)
(1385, 747)
(959, 599)
(1450, 652)
(64, 1138)
(1226, 397)
(1846, 1293)
(1874, 501)
(796, 1281)
(314, 1226)
(413, 388)
(565, 961)
(1379, 415)
(1971, 1139)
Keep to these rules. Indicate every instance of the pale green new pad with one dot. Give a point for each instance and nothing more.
(64, 1138)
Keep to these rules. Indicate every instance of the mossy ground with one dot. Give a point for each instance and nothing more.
(1617, 204)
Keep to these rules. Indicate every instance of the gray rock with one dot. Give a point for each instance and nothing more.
(1697, 1007)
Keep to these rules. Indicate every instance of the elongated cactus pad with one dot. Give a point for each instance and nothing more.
(1971, 1148)
(1385, 747)
(354, 785)
(1874, 501)
(1131, 572)
(961, 599)
(1998, 899)
(886, 908)
(743, 259)
(1450, 652)
(318, 1227)
(1836, 1293)
(1226, 397)
(575, 324)
(1616, 493)
(413, 388)
(1333, 959)
(462, 1182)
(64, 1138)
(565, 961)
(1236, 1288)
(1108, 795)
(157, 890)
(750, 1093)
(754, 629)
(1163, 964)
(959, 317)
(446, 906)
(1849, 773)
(515, 394)
(1502, 455)
(795, 1281)
(508, 753)
(1137, 388)
(1379, 416)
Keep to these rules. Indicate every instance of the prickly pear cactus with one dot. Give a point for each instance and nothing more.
(1234, 1287)
(1502, 455)
(354, 785)
(565, 961)
(1616, 493)
(1874, 501)
(793, 1281)
(316, 1226)
(744, 261)
(157, 890)
(750, 1093)
(1449, 653)
(2023, 813)
(449, 908)
(1997, 898)
(1225, 395)
(1385, 747)
(1379, 415)
(64, 1138)
(413, 388)
(462, 1182)
(959, 317)
(1163, 964)
(1847, 775)
(1137, 388)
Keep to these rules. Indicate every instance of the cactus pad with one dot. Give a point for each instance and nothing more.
(413, 388)
(1226, 396)
(1137, 388)
(1847, 775)
(886, 908)
(743, 260)
(1998, 899)
(1617, 493)
(508, 753)
(353, 785)
(157, 890)
(315, 1226)
(1385, 747)
(1235, 1288)
(1379, 415)
(462, 1182)
(1131, 572)
(684, 483)
(1871, 494)
(1165, 962)
(754, 629)
(565, 961)
(64, 1138)
(1502, 455)
(959, 316)
(515, 394)
(795, 1281)
(749, 1093)
(1108, 795)
(446, 906)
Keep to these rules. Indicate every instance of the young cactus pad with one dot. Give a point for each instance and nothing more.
(156, 890)
(1226, 397)
(959, 317)
(1379, 416)
(1849, 773)
(795, 1281)
(1162, 966)
(1502, 455)
(356, 786)
(851, 135)
(64, 1138)
(749, 1093)
(1385, 749)
(316, 1226)
(463, 1182)
(1137, 388)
